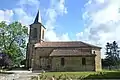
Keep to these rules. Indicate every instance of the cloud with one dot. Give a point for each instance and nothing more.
(57, 8)
(25, 9)
(33, 3)
(6, 15)
(102, 19)
(19, 12)
(65, 37)
(54, 37)
(22, 16)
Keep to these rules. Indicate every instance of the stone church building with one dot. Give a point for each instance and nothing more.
(60, 56)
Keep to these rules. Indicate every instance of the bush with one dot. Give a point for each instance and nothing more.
(5, 61)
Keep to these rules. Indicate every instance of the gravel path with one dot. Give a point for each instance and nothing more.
(18, 75)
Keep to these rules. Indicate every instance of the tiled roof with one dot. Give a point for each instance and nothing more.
(65, 44)
(69, 52)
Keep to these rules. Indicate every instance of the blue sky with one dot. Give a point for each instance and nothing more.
(91, 21)
(70, 23)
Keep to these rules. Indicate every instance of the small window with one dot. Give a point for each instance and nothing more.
(62, 61)
(43, 34)
(83, 61)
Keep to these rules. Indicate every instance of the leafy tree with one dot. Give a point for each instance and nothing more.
(13, 40)
(112, 52)
(104, 63)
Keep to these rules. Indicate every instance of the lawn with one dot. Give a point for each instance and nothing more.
(80, 75)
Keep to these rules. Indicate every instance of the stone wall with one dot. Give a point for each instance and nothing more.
(72, 64)
(41, 53)
(98, 66)
(29, 55)
(42, 33)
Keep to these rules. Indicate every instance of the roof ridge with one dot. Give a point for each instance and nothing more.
(66, 44)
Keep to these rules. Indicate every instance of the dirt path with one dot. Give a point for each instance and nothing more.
(18, 75)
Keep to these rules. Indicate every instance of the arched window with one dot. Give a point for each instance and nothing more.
(83, 61)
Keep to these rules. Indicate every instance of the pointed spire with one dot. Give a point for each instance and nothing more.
(38, 18)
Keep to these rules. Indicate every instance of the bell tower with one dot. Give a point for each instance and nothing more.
(36, 35)
(37, 30)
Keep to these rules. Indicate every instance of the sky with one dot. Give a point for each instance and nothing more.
(92, 21)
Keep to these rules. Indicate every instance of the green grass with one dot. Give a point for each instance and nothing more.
(105, 75)
(69, 74)
(81, 75)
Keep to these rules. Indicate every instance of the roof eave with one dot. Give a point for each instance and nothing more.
(72, 55)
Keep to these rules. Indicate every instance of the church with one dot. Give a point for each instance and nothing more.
(59, 56)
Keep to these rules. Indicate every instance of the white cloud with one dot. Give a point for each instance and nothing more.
(33, 3)
(57, 8)
(22, 16)
(51, 36)
(65, 37)
(100, 1)
(6, 15)
(61, 7)
(22, 2)
(103, 22)
(54, 37)
(19, 13)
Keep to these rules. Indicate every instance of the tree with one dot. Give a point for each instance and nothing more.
(13, 40)
(112, 52)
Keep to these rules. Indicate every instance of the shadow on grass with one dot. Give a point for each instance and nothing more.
(104, 75)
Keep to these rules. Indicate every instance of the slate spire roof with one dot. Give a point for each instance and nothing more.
(38, 18)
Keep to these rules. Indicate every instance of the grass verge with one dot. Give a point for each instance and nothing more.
(80, 75)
